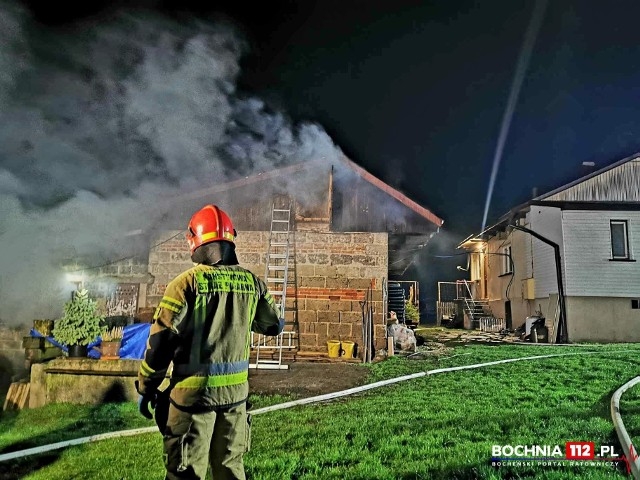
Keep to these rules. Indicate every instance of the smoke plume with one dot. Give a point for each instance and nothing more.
(102, 124)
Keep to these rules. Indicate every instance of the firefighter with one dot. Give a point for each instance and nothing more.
(203, 325)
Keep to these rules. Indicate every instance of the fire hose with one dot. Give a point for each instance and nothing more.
(303, 401)
(630, 451)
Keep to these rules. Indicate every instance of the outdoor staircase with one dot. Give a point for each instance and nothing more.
(482, 317)
(476, 309)
(480, 313)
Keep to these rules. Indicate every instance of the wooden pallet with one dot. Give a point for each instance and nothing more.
(17, 396)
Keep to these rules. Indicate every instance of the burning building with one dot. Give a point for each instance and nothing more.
(350, 234)
(113, 142)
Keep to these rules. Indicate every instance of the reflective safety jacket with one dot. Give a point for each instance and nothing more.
(203, 325)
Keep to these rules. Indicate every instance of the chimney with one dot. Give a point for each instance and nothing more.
(587, 168)
(534, 192)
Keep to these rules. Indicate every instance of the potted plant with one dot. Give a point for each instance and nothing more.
(111, 341)
(80, 325)
(411, 313)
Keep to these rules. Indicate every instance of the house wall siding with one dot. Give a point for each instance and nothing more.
(330, 274)
(547, 221)
(589, 271)
(620, 184)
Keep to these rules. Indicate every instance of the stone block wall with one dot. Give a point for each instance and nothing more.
(166, 261)
(124, 269)
(11, 346)
(12, 359)
(329, 274)
(333, 273)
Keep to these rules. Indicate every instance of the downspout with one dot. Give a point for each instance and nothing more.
(561, 334)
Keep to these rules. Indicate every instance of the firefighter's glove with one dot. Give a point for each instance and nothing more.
(145, 401)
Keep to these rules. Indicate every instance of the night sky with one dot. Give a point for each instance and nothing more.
(415, 91)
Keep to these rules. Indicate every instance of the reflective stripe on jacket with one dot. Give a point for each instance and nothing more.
(203, 324)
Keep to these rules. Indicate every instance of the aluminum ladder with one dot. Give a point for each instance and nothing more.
(276, 277)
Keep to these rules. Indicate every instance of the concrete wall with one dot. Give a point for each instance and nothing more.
(83, 381)
(599, 319)
(329, 274)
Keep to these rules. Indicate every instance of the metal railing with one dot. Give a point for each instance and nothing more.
(491, 324)
(451, 294)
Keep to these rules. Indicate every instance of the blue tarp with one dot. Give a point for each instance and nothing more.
(134, 341)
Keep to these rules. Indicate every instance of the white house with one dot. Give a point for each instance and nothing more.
(595, 223)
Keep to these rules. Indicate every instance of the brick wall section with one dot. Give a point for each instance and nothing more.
(329, 274)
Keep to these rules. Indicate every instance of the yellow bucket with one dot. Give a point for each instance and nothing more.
(347, 349)
(334, 348)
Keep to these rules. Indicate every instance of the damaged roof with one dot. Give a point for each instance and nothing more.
(283, 171)
(401, 197)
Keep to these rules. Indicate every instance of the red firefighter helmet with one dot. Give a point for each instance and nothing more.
(210, 224)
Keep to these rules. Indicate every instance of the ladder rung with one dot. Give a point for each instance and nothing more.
(275, 292)
(281, 210)
(275, 280)
(261, 366)
(280, 221)
(278, 255)
(276, 267)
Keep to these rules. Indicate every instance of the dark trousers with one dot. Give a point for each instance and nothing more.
(218, 439)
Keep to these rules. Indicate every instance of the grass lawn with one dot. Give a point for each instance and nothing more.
(440, 426)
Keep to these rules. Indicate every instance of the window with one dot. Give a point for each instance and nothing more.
(507, 264)
(635, 304)
(619, 240)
